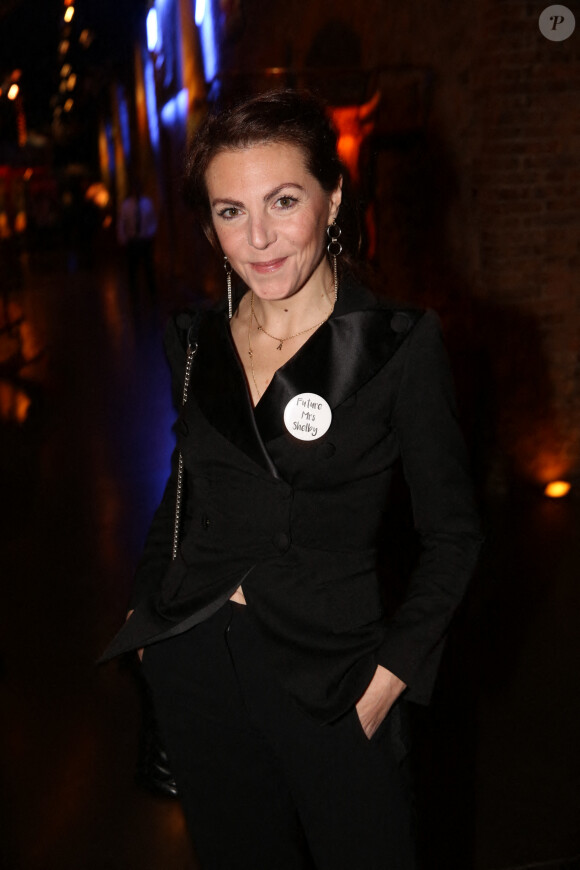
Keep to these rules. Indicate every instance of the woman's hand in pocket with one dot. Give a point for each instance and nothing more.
(380, 695)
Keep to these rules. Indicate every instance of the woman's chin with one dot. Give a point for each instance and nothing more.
(272, 290)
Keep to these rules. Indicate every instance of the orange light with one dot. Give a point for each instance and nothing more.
(354, 124)
(557, 489)
(14, 403)
(13, 91)
(64, 46)
(98, 194)
(66, 70)
(69, 13)
(20, 222)
(68, 105)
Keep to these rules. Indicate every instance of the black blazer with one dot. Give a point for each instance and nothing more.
(299, 522)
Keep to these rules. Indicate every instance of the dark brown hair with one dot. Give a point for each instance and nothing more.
(290, 117)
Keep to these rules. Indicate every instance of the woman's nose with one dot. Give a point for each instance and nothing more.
(260, 232)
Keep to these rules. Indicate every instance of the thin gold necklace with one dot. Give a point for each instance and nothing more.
(288, 337)
(251, 352)
(253, 317)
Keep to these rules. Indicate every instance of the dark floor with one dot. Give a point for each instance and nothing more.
(80, 476)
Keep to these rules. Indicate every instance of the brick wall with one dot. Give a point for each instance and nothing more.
(526, 172)
(477, 212)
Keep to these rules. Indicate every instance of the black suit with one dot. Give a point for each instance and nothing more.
(298, 522)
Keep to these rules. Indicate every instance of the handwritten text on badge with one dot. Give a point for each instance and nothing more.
(307, 416)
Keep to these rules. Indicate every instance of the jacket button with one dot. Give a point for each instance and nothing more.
(281, 541)
(205, 522)
(400, 322)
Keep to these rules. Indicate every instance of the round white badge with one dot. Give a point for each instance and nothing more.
(307, 416)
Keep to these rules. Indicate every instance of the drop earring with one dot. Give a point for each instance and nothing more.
(228, 268)
(334, 249)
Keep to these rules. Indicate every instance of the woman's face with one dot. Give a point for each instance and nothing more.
(270, 215)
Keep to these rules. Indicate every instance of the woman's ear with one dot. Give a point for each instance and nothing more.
(335, 201)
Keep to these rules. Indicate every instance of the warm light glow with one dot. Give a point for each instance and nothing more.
(99, 194)
(20, 222)
(557, 489)
(62, 87)
(68, 15)
(71, 81)
(13, 91)
(64, 46)
(85, 38)
(5, 231)
(66, 70)
(14, 403)
(354, 124)
(152, 30)
(28, 175)
(68, 105)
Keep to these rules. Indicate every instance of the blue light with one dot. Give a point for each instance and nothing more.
(151, 100)
(152, 30)
(199, 11)
(175, 110)
(110, 146)
(124, 121)
(208, 43)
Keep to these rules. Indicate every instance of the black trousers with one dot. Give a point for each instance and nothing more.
(263, 785)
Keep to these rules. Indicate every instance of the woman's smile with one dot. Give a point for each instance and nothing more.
(265, 268)
(270, 215)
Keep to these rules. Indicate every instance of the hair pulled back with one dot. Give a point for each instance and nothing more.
(290, 117)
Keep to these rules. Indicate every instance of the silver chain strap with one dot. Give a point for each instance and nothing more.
(191, 351)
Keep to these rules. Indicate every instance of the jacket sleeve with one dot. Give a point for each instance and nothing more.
(436, 469)
(158, 543)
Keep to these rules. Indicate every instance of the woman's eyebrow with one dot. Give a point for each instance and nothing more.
(281, 187)
(235, 202)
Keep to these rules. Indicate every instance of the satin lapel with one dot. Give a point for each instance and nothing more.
(219, 386)
(345, 353)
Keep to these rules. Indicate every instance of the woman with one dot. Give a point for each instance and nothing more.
(278, 676)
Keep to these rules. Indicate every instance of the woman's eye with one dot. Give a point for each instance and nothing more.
(228, 213)
(286, 201)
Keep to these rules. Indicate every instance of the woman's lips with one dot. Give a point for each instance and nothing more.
(269, 266)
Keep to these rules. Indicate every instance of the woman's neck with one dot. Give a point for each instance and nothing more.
(314, 302)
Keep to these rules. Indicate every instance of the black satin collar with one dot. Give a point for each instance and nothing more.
(342, 355)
